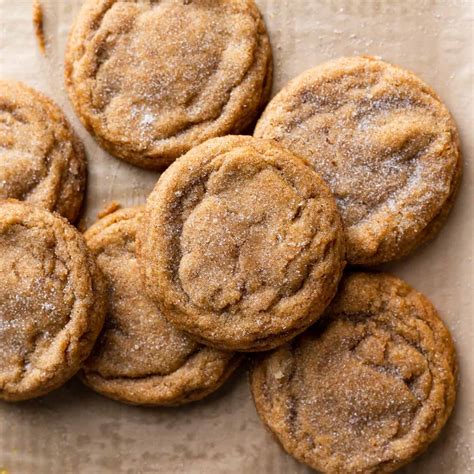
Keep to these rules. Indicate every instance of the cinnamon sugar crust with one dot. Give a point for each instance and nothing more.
(150, 80)
(241, 244)
(42, 161)
(367, 388)
(385, 144)
(52, 301)
(140, 358)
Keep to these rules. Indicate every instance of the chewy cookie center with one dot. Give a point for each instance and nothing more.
(372, 151)
(247, 243)
(166, 66)
(360, 388)
(35, 301)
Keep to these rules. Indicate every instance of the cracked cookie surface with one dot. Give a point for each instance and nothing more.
(52, 301)
(368, 387)
(153, 79)
(139, 357)
(42, 160)
(242, 244)
(383, 141)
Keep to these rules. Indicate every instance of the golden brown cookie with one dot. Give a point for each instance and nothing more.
(140, 358)
(52, 301)
(367, 388)
(42, 160)
(153, 79)
(242, 244)
(383, 141)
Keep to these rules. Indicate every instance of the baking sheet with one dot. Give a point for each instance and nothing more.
(73, 430)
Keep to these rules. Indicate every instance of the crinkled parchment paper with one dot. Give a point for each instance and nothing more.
(73, 430)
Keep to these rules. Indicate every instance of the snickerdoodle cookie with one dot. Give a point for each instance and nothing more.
(383, 141)
(41, 159)
(241, 244)
(152, 79)
(139, 357)
(368, 387)
(52, 301)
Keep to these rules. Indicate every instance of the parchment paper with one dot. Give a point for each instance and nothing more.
(74, 430)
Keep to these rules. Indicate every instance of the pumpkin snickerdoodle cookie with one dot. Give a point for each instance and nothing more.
(383, 141)
(52, 301)
(368, 387)
(152, 79)
(139, 357)
(241, 244)
(42, 160)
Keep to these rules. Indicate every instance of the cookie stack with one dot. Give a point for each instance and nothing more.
(242, 244)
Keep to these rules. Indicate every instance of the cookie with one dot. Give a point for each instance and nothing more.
(366, 389)
(52, 301)
(151, 80)
(42, 160)
(140, 358)
(383, 141)
(242, 245)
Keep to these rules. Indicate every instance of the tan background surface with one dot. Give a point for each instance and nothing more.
(76, 431)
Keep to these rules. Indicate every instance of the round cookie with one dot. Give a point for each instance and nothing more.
(367, 388)
(139, 357)
(242, 244)
(151, 80)
(42, 160)
(52, 301)
(383, 141)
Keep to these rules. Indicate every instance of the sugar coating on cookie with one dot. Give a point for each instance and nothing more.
(140, 358)
(383, 141)
(153, 79)
(241, 244)
(368, 387)
(52, 301)
(42, 160)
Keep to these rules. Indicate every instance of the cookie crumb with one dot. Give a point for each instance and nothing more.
(38, 25)
(109, 209)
